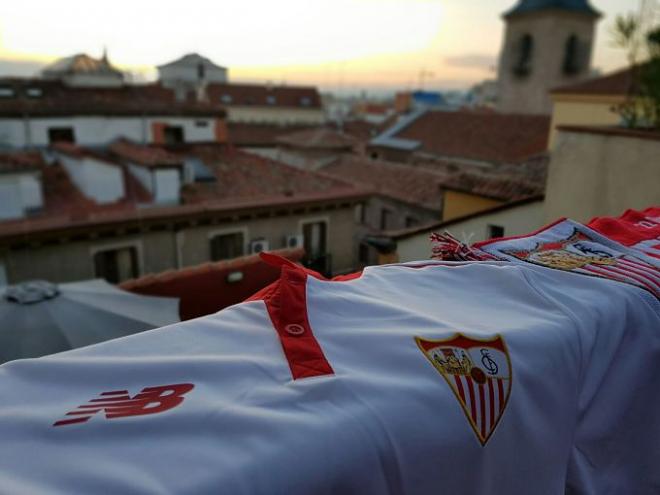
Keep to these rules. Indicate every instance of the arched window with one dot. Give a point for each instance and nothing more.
(571, 56)
(523, 61)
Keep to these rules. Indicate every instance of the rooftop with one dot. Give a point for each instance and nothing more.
(231, 94)
(20, 161)
(146, 156)
(81, 63)
(193, 60)
(614, 84)
(42, 97)
(318, 138)
(245, 134)
(488, 137)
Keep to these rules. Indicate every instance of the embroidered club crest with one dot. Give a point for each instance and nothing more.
(479, 374)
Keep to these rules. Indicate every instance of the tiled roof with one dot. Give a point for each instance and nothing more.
(422, 186)
(191, 60)
(57, 99)
(245, 182)
(204, 289)
(241, 175)
(259, 135)
(402, 182)
(147, 156)
(20, 161)
(614, 84)
(488, 137)
(264, 95)
(318, 138)
(80, 63)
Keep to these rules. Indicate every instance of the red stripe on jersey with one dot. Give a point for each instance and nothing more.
(491, 402)
(482, 410)
(473, 405)
(459, 386)
(287, 308)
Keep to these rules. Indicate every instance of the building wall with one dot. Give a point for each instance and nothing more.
(99, 131)
(457, 204)
(582, 110)
(169, 249)
(19, 193)
(102, 182)
(275, 115)
(601, 174)
(189, 74)
(550, 31)
(516, 221)
(168, 185)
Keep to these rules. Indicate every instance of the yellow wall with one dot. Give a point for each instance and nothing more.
(457, 204)
(582, 110)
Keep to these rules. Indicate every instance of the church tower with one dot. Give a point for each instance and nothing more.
(547, 43)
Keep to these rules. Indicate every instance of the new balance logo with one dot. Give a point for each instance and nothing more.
(118, 404)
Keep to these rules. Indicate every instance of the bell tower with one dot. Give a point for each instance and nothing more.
(547, 43)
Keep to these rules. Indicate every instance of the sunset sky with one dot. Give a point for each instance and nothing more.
(339, 45)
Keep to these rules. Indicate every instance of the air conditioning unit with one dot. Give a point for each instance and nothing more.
(259, 245)
(295, 241)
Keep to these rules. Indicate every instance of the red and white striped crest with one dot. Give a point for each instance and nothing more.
(479, 374)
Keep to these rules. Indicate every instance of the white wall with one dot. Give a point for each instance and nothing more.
(168, 185)
(18, 193)
(102, 182)
(516, 221)
(99, 131)
(143, 175)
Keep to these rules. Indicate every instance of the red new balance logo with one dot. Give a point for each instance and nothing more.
(119, 404)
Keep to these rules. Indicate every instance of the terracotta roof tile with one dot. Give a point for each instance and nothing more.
(147, 156)
(20, 161)
(318, 138)
(257, 135)
(129, 100)
(615, 84)
(231, 94)
(490, 137)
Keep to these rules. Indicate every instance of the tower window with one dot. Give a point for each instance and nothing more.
(571, 56)
(201, 71)
(523, 61)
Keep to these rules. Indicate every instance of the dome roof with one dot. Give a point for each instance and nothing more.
(577, 6)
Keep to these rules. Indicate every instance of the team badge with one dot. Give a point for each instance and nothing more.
(479, 374)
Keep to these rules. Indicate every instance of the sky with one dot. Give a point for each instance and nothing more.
(339, 45)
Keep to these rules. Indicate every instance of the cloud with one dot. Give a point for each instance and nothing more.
(472, 61)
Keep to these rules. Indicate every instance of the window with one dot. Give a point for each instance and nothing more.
(305, 101)
(411, 222)
(201, 123)
(495, 231)
(385, 219)
(201, 71)
(173, 135)
(315, 239)
(226, 98)
(61, 134)
(523, 58)
(6, 92)
(34, 92)
(571, 56)
(116, 265)
(227, 246)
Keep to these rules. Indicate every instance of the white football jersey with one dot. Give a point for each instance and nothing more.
(428, 377)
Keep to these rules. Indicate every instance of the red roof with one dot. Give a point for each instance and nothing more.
(204, 289)
(614, 84)
(264, 95)
(20, 161)
(318, 138)
(422, 186)
(256, 135)
(129, 100)
(490, 137)
(147, 156)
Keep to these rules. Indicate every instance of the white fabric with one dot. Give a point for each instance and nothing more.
(581, 418)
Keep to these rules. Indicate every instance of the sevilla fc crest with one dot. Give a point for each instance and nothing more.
(479, 374)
